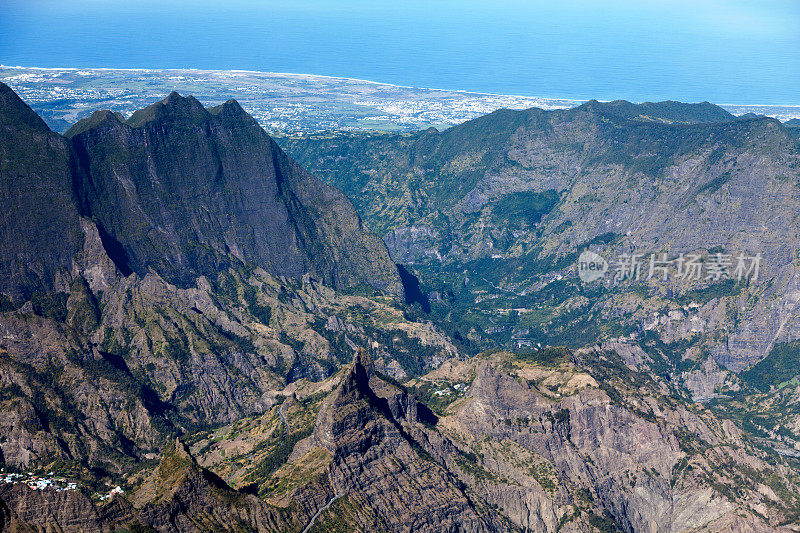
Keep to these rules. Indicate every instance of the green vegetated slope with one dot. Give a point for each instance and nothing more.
(493, 213)
(222, 336)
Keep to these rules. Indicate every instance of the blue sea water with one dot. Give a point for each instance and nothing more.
(724, 51)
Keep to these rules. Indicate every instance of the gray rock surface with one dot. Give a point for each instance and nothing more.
(39, 228)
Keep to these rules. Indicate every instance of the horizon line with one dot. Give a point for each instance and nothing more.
(374, 82)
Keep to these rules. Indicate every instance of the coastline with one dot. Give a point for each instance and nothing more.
(302, 75)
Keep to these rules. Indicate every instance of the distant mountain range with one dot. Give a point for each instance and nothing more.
(508, 199)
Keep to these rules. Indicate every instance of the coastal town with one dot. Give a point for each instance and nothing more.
(283, 104)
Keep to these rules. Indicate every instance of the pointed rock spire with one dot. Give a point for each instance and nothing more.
(363, 362)
(231, 112)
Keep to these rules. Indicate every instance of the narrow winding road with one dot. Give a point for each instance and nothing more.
(285, 423)
(322, 509)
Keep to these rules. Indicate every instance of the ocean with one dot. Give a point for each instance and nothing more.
(725, 51)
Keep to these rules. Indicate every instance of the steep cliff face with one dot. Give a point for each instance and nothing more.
(628, 452)
(184, 190)
(177, 188)
(39, 222)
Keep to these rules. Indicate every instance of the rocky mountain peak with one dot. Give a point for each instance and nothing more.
(172, 109)
(233, 112)
(16, 113)
(173, 98)
(233, 196)
(100, 120)
(356, 383)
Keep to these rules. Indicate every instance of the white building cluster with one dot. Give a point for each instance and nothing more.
(37, 482)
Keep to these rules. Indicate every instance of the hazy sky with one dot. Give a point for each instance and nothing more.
(724, 51)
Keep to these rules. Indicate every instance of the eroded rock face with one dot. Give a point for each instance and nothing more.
(177, 188)
(591, 442)
(184, 190)
(133, 360)
(364, 425)
(641, 457)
